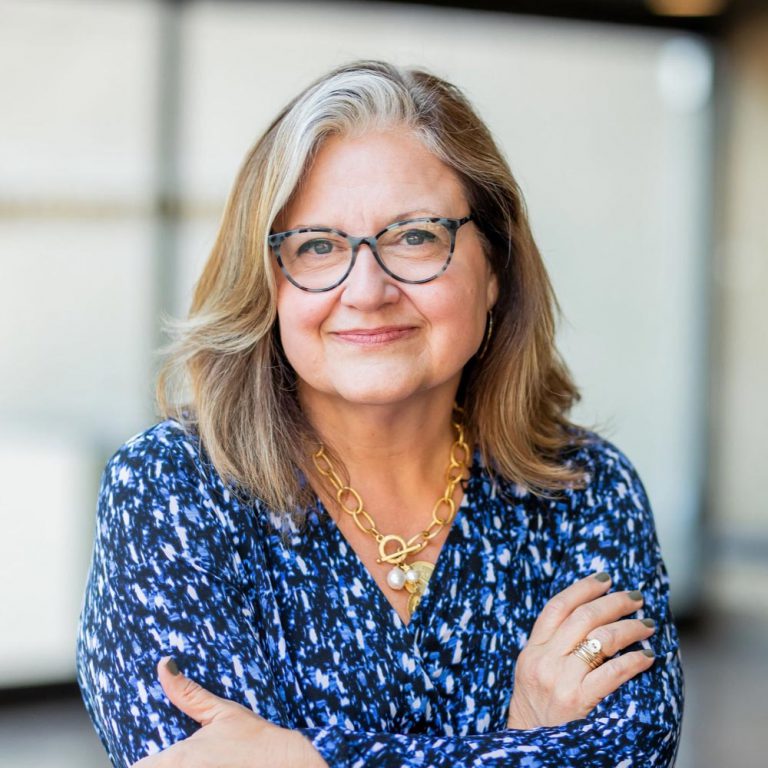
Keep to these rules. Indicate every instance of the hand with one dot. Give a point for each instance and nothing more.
(231, 737)
(552, 686)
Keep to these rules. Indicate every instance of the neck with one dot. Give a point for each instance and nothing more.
(393, 452)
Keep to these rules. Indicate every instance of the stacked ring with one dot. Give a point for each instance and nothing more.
(590, 651)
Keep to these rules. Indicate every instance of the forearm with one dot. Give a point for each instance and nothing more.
(596, 744)
(640, 723)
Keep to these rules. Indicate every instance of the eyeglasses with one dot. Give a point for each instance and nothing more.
(320, 258)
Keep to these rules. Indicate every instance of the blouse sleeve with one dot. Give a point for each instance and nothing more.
(609, 527)
(166, 578)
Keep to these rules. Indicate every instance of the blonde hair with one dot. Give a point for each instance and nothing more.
(225, 376)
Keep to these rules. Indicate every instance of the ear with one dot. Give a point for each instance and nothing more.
(491, 290)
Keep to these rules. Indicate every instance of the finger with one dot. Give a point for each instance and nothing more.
(154, 761)
(588, 616)
(164, 759)
(613, 637)
(562, 605)
(192, 699)
(609, 676)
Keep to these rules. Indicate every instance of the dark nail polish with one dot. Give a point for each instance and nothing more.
(649, 623)
(172, 667)
(649, 653)
(602, 576)
(635, 595)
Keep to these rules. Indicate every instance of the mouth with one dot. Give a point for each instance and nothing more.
(373, 336)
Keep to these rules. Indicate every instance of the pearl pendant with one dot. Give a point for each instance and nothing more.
(411, 577)
(396, 578)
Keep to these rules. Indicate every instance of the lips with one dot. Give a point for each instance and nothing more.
(371, 336)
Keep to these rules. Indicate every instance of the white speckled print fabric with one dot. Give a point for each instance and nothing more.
(300, 632)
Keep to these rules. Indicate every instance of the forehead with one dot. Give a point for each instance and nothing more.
(372, 179)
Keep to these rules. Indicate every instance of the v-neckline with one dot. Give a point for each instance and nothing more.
(371, 586)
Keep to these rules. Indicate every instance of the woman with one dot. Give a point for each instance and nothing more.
(366, 531)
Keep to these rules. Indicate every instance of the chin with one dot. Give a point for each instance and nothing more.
(389, 389)
(376, 385)
(377, 395)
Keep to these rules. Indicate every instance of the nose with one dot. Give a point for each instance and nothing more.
(368, 286)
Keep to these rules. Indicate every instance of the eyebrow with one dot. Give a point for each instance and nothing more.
(417, 213)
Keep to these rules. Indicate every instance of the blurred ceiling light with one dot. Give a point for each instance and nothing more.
(687, 7)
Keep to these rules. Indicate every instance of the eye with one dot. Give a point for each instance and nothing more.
(417, 237)
(316, 248)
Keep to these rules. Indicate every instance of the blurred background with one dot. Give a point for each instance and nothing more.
(639, 134)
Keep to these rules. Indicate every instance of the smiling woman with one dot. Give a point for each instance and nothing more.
(382, 338)
(366, 529)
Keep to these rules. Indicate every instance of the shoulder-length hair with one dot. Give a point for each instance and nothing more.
(226, 377)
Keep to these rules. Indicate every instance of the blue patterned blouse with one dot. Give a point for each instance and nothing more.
(299, 631)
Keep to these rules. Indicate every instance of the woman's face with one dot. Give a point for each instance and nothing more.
(373, 339)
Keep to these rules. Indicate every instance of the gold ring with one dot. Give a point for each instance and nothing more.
(590, 651)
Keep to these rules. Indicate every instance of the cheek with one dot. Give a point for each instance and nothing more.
(463, 316)
(457, 316)
(300, 318)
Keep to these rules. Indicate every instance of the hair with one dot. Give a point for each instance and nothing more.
(225, 376)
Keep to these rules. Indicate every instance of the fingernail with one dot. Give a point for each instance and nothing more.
(649, 623)
(649, 653)
(602, 576)
(172, 667)
(635, 595)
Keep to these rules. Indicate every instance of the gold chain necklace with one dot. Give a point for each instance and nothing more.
(413, 576)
